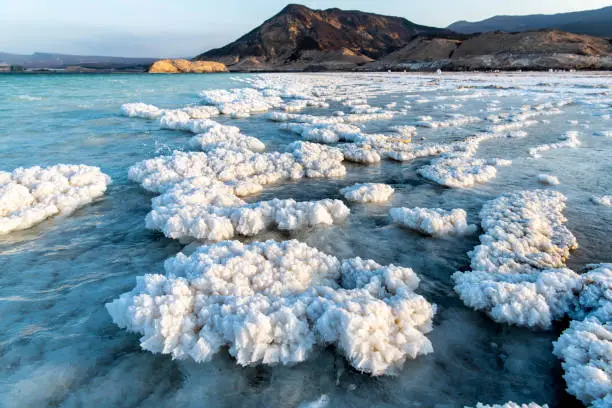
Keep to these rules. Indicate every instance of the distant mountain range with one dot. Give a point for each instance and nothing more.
(299, 38)
(56, 61)
(591, 22)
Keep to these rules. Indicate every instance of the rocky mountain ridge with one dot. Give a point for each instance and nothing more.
(302, 39)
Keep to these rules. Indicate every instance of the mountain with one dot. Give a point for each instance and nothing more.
(591, 22)
(55, 61)
(299, 37)
(533, 50)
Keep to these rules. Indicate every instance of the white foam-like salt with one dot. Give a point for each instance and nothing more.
(273, 303)
(433, 221)
(28, 196)
(368, 193)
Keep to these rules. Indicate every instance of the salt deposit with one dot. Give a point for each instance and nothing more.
(511, 405)
(226, 137)
(458, 172)
(364, 154)
(28, 196)
(585, 350)
(548, 179)
(218, 214)
(240, 166)
(368, 193)
(273, 303)
(433, 221)
(141, 110)
(605, 201)
(518, 275)
(240, 102)
(569, 140)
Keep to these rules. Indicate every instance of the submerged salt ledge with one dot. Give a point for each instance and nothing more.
(273, 303)
(28, 196)
(433, 221)
(518, 275)
(368, 193)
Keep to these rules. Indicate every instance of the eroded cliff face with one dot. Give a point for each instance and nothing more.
(180, 66)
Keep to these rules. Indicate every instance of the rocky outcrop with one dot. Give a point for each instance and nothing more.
(424, 50)
(299, 38)
(536, 50)
(181, 66)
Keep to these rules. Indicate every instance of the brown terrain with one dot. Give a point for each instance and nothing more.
(301, 39)
(534, 50)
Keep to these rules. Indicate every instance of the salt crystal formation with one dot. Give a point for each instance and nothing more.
(237, 167)
(570, 140)
(605, 201)
(511, 405)
(433, 221)
(226, 137)
(273, 303)
(518, 271)
(548, 179)
(213, 212)
(28, 196)
(368, 193)
(585, 348)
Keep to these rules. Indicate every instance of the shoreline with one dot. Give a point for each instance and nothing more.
(331, 71)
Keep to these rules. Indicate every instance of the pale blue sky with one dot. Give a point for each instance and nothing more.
(188, 27)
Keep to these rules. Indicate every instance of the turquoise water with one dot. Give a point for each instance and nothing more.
(59, 347)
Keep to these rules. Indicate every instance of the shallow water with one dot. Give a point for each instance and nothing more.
(59, 347)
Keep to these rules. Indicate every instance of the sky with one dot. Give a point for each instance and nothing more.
(185, 28)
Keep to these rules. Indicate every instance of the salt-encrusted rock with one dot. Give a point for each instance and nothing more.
(433, 221)
(368, 193)
(272, 303)
(28, 196)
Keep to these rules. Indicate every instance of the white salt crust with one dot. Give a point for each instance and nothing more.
(368, 193)
(28, 196)
(433, 221)
(273, 303)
